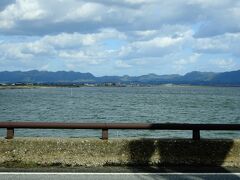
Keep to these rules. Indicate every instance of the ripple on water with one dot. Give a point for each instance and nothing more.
(126, 104)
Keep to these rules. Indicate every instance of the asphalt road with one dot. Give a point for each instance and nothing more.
(119, 173)
(118, 176)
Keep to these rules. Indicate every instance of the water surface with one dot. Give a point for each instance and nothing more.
(158, 104)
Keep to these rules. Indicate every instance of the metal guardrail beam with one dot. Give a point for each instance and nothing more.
(196, 128)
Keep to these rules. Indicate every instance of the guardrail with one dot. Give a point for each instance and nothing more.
(195, 128)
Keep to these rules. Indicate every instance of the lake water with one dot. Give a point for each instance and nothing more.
(158, 104)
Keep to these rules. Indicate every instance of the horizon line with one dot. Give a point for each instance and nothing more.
(116, 75)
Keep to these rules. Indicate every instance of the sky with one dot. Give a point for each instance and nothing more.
(119, 37)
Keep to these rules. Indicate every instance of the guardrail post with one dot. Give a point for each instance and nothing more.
(10, 133)
(196, 134)
(104, 134)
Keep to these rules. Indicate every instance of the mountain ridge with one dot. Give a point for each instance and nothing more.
(194, 77)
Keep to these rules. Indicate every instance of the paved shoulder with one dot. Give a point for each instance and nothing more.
(117, 176)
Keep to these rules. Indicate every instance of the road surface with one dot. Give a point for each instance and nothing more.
(117, 176)
(119, 173)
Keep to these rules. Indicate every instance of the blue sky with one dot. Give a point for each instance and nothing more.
(118, 37)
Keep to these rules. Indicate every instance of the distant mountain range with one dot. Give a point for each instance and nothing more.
(194, 78)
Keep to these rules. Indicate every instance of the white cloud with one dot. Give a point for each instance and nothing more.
(75, 47)
(218, 17)
(139, 1)
(24, 10)
(65, 40)
(77, 39)
(159, 42)
(87, 11)
(122, 64)
(189, 60)
(180, 64)
(120, 34)
(226, 64)
(156, 47)
(9, 52)
(38, 17)
(227, 43)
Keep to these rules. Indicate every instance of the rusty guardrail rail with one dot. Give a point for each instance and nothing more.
(195, 128)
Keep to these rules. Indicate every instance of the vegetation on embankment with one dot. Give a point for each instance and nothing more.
(32, 152)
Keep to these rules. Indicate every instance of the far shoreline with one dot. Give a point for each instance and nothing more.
(5, 87)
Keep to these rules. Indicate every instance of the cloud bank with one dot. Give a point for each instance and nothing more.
(120, 37)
